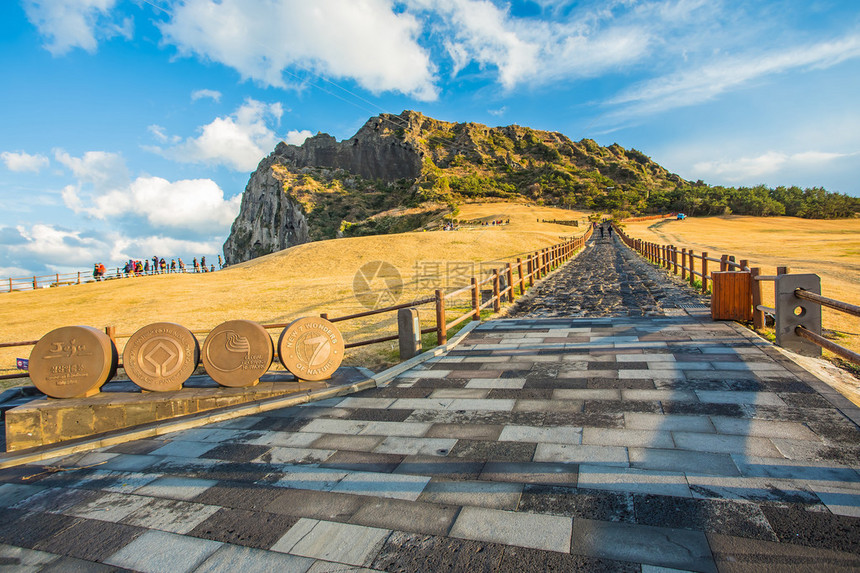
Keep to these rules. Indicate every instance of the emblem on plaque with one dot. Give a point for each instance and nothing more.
(311, 348)
(160, 357)
(73, 362)
(237, 352)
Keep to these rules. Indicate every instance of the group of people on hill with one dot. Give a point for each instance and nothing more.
(156, 266)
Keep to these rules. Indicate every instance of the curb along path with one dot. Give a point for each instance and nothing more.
(607, 441)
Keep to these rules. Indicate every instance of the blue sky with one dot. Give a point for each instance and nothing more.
(130, 127)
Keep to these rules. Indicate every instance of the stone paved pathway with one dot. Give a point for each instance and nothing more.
(620, 443)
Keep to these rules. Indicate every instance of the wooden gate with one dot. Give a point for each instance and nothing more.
(731, 296)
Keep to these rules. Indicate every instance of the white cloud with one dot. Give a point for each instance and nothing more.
(51, 245)
(364, 40)
(238, 141)
(24, 161)
(161, 135)
(706, 81)
(745, 169)
(69, 24)
(125, 248)
(211, 94)
(104, 190)
(297, 137)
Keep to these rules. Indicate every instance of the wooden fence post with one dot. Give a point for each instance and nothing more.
(35, 285)
(497, 303)
(520, 271)
(441, 329)
(510, 272)
(475, 298)
(79, 277)
(675, 259)
(758, 315)
(783, 270)
(724, 263)
(111, 332)
(744, 264)
(704, 272)
(684, 263)
(324, 315)
(531, 273)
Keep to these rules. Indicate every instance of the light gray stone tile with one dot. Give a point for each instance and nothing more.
(656, 482)
(682, 461)
(662, 395)
(753, 489)
(544, 435)
(176, 487)
(569, 373)
(340, 542)
(472, 393)
(503, 383)
(726, 444)
(812, 472)
(328, 426)
(249, 560)
(286, 439)
(429, 373)
(644, 358)
(651, 375)
(393, 486)
(279, 455)
(586, 394)
(473, 493)
(764, 428)
(170, 515)
(309, 477)
(12, 493)
(109, 507)
(422, 403)
(163, 552)
(628, 438)
(660, 546)
(548, 405)
(183, 449)
(604, 455)
(22, 560)
(490, 405)
(403, 429)
(357, 402)
(664, 422)
(416, 446)
(547, 532)
(839, 500)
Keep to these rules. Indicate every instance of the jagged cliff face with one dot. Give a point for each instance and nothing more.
(397, 163)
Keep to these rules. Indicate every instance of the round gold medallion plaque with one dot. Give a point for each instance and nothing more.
(311, 348)
(72, 362)
(160, 357)
(237, 352)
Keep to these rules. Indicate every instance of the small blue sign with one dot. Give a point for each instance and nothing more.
(22, 363)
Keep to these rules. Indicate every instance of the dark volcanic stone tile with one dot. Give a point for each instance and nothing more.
(235, 471)
(90, 539)
(524, 394)
(788, 386)
(835, 432)
(279, 424)
(804, 400)
(732, 410)
(404, 552)
(546, 473)
(73, 565)
(616, 407)
(414, 516)
(493, 451)
(739, 555)
(710, 515)
(792, 524)
(395, 392)
(441, 467)
(236, 452)
(514, 373)
(57, 500)
(615, 384)
(17, 474)
(23, 529)
(239, 495)
(573, 502)
(363, 461)
(139, 447)
(316, 504)
(379, 415)
(242, 527)
(484, 417)
(556, 383)
(436, 383)
(520, 559)
(559, 418)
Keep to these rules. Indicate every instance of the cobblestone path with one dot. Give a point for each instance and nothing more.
(607, 279)
(663, 442)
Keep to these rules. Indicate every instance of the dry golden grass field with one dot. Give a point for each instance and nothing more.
(301, 281)
(830, 249)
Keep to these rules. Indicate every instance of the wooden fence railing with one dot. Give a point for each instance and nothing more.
(75, 278)
(797, 297)
(516, 276)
